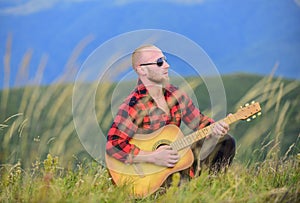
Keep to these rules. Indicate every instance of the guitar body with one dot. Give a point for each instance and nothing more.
(145, 178)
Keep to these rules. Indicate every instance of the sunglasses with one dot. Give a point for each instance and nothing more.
(159, 62)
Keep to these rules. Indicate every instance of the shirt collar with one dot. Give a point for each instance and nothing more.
(141, 88)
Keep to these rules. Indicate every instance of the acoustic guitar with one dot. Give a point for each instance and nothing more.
(144, 179)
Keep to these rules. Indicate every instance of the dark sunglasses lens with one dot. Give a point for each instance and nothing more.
(160, 62)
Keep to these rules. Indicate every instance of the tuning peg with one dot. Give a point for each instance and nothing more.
(241, 107)
(253, 102)
(248, 120)
(247, 104)
(254, 116)
(259, 113)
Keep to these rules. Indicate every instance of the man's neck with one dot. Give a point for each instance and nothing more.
(155, 90)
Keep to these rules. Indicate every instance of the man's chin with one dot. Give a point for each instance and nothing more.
(165, 80)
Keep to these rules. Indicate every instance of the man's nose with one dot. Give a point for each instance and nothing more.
(166, 65)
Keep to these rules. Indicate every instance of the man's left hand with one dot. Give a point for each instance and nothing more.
(220, 129)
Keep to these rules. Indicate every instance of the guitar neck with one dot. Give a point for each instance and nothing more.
(188, 140)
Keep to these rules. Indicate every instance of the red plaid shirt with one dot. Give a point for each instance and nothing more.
(140, 114)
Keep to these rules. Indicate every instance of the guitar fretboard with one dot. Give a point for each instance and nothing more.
(188, 140)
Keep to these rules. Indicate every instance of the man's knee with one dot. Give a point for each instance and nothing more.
(224, 152)
(228, 145)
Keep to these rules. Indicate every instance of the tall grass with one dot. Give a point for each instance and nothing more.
(46, 181)
(40, 117)
(42, 159)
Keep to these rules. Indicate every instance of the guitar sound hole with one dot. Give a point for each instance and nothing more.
(160, 144)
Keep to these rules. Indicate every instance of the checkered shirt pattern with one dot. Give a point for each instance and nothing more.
(140, 114)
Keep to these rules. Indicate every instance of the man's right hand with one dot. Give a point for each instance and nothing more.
(165, 156)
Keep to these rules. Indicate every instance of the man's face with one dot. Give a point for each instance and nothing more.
(154, 72)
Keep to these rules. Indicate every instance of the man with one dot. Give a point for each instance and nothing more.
(155, 103)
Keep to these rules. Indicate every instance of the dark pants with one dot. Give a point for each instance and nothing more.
(220, 157)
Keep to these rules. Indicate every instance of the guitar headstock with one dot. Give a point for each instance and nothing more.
(250, 110)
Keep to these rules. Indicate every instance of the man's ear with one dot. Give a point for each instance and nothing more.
(141, 70)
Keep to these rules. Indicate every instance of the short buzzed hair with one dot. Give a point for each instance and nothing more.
(136, 55)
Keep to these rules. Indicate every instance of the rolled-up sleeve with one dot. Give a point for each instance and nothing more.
(192, 116)
(121, 132)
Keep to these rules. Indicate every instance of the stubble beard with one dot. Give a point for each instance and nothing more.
(162, 80)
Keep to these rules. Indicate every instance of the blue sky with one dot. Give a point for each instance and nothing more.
(239, 36)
